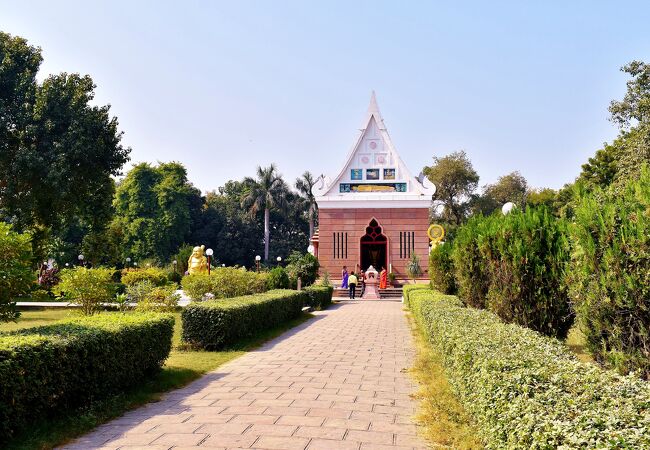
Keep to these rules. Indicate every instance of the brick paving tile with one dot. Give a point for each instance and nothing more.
(383, 447)
(282, 443)
(373, 437)
(336, 382)
(180, 439)
(254, 418)
(271, 430)
(321, 432)
(230, 440)
(326, 444)
(301, 420)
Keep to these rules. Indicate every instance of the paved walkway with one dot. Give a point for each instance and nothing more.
(337, 381)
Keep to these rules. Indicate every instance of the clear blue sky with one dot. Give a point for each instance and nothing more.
(225, 86)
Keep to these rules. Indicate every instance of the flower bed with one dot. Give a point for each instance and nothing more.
(528, 391)
(48, 369)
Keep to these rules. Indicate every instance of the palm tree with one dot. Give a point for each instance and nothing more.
(304, 185)
(266, 192)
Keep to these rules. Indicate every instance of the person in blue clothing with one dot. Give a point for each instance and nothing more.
(344, 277)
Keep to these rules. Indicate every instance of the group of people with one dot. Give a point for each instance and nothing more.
(351, 280)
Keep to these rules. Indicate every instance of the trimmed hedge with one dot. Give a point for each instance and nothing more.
(470, 270)
(216, 324)
(514, 265)
(318, 296)
(528, 391)
(610, 274)
(441, 268)
(225, 282)
(526, 253)
(49, 369)
(408, 289)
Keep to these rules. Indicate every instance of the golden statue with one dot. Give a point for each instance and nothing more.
(197, 263)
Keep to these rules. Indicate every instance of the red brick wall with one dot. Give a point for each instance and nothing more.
(354, 222)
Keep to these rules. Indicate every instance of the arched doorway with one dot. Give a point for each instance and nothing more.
(374, 247)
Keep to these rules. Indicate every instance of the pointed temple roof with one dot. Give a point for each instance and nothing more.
(374, 175)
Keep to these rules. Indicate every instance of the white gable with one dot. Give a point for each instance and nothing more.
(374, 174)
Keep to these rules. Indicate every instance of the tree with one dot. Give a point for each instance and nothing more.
(57, 151)
(455, 180)
(635, 106)
(153, 207)
(543, 197)
(87, 287)
(508, 188)
(227, 228)
(16, 274)
(266, 192)
(304, 186)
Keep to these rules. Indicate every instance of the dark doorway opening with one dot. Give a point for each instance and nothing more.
(374, 247)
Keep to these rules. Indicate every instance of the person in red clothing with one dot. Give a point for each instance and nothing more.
(383, 278)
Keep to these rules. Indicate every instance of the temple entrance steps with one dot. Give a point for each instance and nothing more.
(392, 293)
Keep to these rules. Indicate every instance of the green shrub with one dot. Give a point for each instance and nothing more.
(216, 324)
(470, 269)
(325, 279)
(174, 277)
(138, 292)
(609, 276)
(304, 267)
(441, 268)
(528, 391)
(16, 275)
(47, 370)
(278, 278)
(182, 256)
(318, 296)
(408, 290)
(196, 286)
(224, 282)
(413, 268)
(159, 299)
(155, 275)
(87, 287)
(526, 253)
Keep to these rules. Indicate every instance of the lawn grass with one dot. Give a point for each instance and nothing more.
(182, 367)
(445, 423)
(36, 318)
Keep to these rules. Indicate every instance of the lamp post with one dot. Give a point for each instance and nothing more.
(507, 208)
(128, 261)
(209, 252)
(175, 263)
(258, 258)
(223, 265)
(81, 260)
(279, 259)
(135, 265)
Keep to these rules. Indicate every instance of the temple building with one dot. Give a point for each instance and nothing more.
(374, 212)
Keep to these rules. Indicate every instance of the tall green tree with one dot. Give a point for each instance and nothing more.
(267, 191)
(154, 207)
(508, 188)
(58, 153)
(227, 228)
(304, 185)
(455, 180)
(16, 274)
